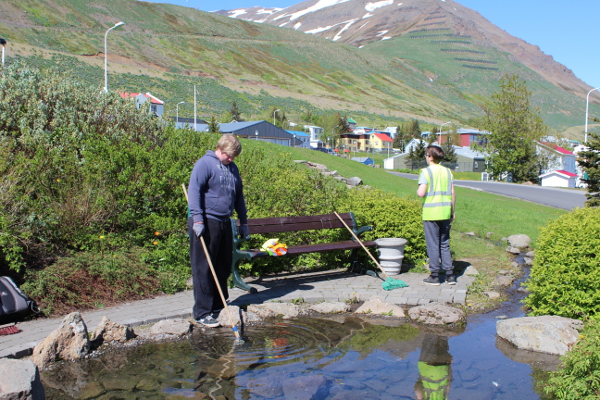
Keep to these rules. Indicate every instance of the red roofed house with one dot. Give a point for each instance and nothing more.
(559, 178)
(381, 141)
(157, 106)
(560, 170)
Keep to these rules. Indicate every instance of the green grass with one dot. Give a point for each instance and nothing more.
(476, 211)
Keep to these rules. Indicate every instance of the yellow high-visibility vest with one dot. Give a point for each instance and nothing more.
(436, 380)
(437, 202)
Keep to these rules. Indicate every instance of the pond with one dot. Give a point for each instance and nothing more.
(317, 357)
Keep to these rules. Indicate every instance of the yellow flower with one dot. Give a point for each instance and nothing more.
(58, 180)
(156, 233)
(101, 236)
(155, 243)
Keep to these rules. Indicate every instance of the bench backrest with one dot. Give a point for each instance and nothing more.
(302, 223)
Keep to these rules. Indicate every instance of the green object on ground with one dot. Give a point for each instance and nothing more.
(390, 284)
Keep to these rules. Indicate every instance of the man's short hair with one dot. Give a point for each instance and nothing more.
(436, 152)
(230, 145)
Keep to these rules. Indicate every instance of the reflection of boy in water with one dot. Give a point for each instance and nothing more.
(435, 373)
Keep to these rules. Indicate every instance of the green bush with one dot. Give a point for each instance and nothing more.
(578, 377)
(391, 217)
(91, 280)
(564, 277)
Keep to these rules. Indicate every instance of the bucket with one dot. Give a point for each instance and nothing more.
(391, 254)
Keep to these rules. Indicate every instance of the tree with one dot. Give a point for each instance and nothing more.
(513, 126)
(414, 129)
(589, 161)
(333, 125)
(416, 155)
(235, 112)
(399, 140)
(213, 125)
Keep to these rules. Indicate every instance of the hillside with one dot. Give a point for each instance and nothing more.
(168, 49)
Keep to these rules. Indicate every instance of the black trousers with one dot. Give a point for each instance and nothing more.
(218, 238)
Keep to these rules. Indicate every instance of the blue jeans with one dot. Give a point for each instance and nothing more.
(437, 238)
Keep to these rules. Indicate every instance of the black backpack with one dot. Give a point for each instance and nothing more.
(14, 304)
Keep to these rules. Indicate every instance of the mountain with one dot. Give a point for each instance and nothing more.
(432, 61)
(362, 22)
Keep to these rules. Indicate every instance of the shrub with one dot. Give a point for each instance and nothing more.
(91, 280)
(564, 277)
(578, 377)
(391, 217)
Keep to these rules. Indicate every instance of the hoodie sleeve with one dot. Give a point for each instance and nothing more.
(197, 186)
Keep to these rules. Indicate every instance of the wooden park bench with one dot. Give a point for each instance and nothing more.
(296, 224)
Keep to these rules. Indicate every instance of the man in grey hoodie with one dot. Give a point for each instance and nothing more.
(215, 191)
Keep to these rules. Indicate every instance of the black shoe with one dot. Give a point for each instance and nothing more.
(451, 279)
(208, 321)
(432, 280)
(215, 313)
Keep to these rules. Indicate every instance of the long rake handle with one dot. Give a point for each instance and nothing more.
(214, 274)
(361, 243)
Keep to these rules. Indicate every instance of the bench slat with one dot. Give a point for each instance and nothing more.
(303, 223)
(317, 248)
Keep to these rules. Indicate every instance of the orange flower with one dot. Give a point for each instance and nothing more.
(156, 233)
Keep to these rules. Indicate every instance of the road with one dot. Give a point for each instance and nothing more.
(567, 199)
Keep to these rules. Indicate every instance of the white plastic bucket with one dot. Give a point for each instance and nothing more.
(391, 254)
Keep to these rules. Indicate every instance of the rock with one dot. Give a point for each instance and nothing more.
(223, 318)
(528, 261)
(470, 233)
(304, 387)
(329, 307)
(492, 295)
(375, 306)
(20, 380)
(545, 362)
(530, 254)
(521, 241)
(354, 181)
(178, 327)
(544, 334)
(108, 331)
(265, 387)
(471, 271)
(437, 314)
(270, 310)
(503, 280)
(68, 341)
(513, 250)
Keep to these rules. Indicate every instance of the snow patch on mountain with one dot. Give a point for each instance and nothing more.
(374, 6)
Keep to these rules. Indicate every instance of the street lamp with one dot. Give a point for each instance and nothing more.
(274, 116)
(441, 126)
(181, 102)
(106, 54)
(2, 43)
(587, 103)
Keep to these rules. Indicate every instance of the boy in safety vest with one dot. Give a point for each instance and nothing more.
(437, 190)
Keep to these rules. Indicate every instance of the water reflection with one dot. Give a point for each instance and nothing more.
(332, 358)
(435, 371)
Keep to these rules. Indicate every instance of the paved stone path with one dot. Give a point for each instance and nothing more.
(312, 287)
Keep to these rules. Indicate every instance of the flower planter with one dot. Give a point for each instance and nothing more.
(391, 254)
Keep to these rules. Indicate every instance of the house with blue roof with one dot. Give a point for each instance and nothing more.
(253, 130)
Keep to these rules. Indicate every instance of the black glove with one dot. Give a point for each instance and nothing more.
(244, 232)
(198, 228)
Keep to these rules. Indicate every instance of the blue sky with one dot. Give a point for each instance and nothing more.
(569, 31)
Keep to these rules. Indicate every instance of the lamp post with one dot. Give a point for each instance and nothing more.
(587, 103)
(442, 125)
(181, 102)
(274, 116)
(106, 54)
(2, 43)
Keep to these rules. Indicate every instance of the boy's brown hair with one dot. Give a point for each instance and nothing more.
(230, 145)
(435, 152)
